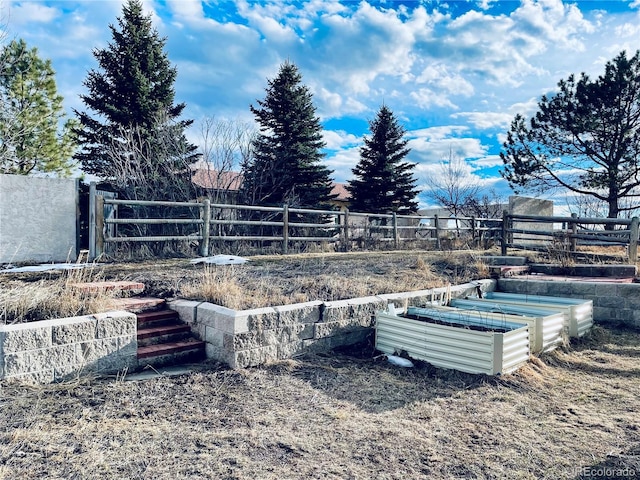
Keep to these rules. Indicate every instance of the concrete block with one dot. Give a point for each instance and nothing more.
(583, 289)
(74, 330)
(288, 350)
(17, 363)
(363, 310)
(215, 337)
(398, 301)
(607, 302)
(334, 311)
(222, 318)
(187, 310)
(316, 345)
(255, 356)
(329, 329)
(128, 346)
(115, 324)
(25, 336)
(97, 349)
(307, 332)
(259, 318)
(64, 358)
(251, 340)
(112, 363)
(307, 312)
(606, 290)
(33, 378)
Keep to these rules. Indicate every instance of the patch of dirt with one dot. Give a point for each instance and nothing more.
(571, 414)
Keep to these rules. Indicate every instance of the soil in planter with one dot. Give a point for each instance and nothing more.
(477, 328)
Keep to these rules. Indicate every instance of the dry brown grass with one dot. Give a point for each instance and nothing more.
(264, 281)
(57, 297)
(345, 415)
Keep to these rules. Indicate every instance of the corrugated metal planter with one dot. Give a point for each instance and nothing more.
(456, 347)
(580, 311)
(546, 325)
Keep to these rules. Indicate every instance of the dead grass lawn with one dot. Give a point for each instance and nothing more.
(344, 415)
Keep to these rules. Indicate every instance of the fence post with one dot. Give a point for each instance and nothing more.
(346, 230)
(474, 241)
(205, 216)
(573, 241)
(395, 231)
(633, 241)
(99, 243)
(285, 228)
(437, 225)
(92, 221)
(503, 239)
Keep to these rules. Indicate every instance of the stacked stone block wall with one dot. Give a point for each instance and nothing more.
(53, 350)
(253, 337)
(613, 303)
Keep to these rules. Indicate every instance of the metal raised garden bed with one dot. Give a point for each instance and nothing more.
(579, 311)
(546, 325)
(456, 341)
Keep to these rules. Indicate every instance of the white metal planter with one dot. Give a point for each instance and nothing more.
(460, 348)
(546, 325)
(580, 311)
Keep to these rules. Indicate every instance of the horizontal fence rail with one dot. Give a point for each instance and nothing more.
(217, 224)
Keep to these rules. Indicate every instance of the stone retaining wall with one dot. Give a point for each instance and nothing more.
(252, 337)
(613, 303)
(53, 350)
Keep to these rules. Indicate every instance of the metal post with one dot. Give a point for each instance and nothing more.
(205, 215)
(285, 229)
(633, 241)
(437, 225)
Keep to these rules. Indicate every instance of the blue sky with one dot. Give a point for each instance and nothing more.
(454, 73)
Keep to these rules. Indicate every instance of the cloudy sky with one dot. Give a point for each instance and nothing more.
(455, 73)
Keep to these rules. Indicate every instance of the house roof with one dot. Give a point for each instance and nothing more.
(216, 180)
(340, 189)
(211, 179)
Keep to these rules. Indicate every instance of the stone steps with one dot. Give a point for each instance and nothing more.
(164, 340)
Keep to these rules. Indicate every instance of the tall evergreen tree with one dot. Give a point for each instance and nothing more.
(584, 138)
(133, 91)
(383, 181)
(287, 152)
(31, 111)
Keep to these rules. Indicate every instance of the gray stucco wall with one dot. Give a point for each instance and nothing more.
(37, 219)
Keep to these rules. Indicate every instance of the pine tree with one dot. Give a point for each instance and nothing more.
(287, 152)
(383, 182)
(30, 114)
(132, 95)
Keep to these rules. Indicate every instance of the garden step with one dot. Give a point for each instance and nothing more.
(157, 318)
(108, 286)
(138, 304)
(173, 348)
(162, 334)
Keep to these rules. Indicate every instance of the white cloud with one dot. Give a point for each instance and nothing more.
(337, 139)
(486, 120)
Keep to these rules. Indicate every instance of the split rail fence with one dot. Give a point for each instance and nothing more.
(215, 225)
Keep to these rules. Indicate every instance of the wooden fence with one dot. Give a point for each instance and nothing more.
(218, 224)
(531, 231)
(289, 226)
